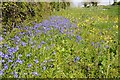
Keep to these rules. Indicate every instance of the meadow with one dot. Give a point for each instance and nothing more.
(72, 43)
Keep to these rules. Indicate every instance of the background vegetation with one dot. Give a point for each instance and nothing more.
(15, 13)
(51, 40)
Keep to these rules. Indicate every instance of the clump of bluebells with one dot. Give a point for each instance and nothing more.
(25, 47)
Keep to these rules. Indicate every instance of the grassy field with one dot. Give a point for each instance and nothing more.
(73, 43)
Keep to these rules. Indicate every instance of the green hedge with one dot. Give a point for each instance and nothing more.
(15, 13)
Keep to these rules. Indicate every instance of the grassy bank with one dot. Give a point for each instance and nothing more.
(72, 43)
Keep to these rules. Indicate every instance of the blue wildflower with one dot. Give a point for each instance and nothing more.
(5, 67)
(39, 46)
(15, 74)
(1, 72)
(4, 33)
(36, 61)
(5, 45)
(29, 65)
(42, 42)
(16, 43)
(12, 65)
(106, 46)
(18, 27)
(1, 53)
(1, 46)
(92, 43)
(54, 52)
(51, 65)
(98, 44)
(6, 56)
(37, 31)
(1, 38)
(41, 64)
(45, 61)
(19, 61)
(19, 56)
(26, 27)
(35, 73)
(44, 67)
(78, 38)
(10, 60)
(23, 44)
(27, 55)
(17, 38)
(2, 61)
(76, 58)
(12, 50)
(21, 33)
(36, 26)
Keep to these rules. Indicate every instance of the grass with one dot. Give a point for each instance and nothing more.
(90, 50)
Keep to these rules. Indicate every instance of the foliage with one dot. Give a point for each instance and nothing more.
(116, 3)
(72, 43)
(15, 13)
(90, 3)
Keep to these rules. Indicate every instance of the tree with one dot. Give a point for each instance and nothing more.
(94, 2)
(90, 2)
(114, 2)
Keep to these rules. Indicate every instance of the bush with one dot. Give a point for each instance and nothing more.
(116, 3)
(15, 13)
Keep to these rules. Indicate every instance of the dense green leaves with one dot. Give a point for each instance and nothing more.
(16, 13)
